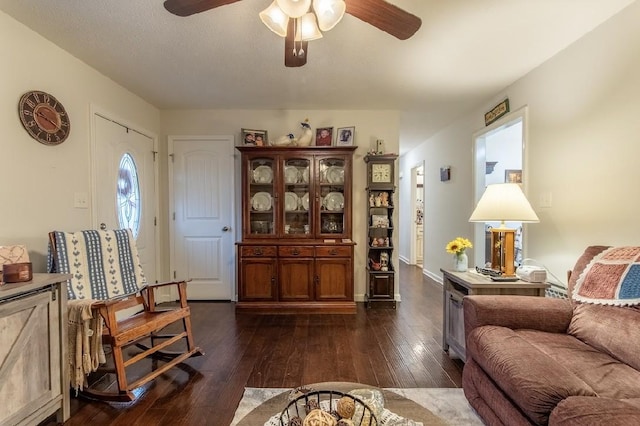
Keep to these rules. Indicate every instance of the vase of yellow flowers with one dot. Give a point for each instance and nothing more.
(457, 247)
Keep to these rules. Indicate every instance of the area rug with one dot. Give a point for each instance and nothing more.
(429, 406)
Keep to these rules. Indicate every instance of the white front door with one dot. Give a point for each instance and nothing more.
(201, 170)
(112, 142)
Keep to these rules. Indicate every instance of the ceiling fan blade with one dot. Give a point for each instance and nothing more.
(302, 49)
(190, 7)
(385, 16)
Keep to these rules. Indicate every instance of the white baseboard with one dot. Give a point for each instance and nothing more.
(404, 259)
(435, 277)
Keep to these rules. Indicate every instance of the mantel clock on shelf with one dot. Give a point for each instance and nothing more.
(380, 208)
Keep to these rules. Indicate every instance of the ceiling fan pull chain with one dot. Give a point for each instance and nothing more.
(295, 30)
(299, 29)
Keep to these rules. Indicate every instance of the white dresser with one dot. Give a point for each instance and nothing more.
(34, 381)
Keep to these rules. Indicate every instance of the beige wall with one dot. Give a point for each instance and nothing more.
(584, 147)
(39, 182)
(370, 126)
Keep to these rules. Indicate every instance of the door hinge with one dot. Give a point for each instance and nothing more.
(154, 155)
(155, 221)
(53, 293)
(174, 215)
(172, 157)
(174, 275)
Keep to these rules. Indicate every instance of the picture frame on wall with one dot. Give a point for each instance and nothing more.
(513, 176)
(345, 136)
(254, 137)
(324, 136)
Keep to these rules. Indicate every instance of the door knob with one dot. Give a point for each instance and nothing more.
(226, 229)
(103, 226)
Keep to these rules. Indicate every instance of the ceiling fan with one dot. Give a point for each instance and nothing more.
(379, 13)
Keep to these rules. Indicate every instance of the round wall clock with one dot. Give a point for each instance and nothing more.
(44, 118)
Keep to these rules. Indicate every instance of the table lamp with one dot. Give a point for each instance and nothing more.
(503, 202)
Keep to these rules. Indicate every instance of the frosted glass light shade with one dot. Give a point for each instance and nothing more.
(309, 28)
(275, 19)
(329, 12)
(294, 8)
(503, 202)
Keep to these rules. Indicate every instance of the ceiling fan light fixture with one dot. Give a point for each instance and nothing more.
(309, 28)
(329, 12)
(275, 19)
(294, 8)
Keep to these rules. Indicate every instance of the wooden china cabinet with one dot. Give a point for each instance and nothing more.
(296, 253)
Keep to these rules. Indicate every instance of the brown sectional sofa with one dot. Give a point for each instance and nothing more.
(538, 361)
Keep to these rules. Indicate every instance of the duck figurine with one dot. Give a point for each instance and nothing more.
(284, 140)
(306, 136)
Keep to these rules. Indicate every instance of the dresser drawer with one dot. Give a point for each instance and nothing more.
(333, 251)
(295, 251)
(258, 251)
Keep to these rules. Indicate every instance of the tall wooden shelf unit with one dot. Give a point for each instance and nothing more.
(296, 252)
(380, 207)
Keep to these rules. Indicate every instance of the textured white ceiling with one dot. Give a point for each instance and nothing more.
(465, 52)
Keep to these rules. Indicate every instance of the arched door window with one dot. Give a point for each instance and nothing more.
(128, 195)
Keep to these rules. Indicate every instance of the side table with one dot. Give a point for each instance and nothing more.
(456, 285)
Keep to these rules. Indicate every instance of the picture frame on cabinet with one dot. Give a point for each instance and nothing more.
(254, 137)
(345, 136)
(324, 136)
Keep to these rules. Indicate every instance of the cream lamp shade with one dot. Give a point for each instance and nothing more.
(309, 28)
(294, 8)
(503, 202)
(275, 19)
(329, 12)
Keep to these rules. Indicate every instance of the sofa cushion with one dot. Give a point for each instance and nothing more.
(607, 376)
(533, 380)
(584, 410)
(611, 329)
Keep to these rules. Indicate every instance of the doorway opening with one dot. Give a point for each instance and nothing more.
(499, 157)
(417, 209)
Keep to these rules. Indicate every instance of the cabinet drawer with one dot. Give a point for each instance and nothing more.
(295, 251)
(331, 251)
(258, 251)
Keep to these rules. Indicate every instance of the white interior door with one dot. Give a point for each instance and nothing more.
(202, 249)
(112, 141)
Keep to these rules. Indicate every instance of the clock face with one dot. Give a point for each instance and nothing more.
(43, 117)
(381, 173)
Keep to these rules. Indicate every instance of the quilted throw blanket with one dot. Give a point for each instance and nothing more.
(103, 264)
(611, 278)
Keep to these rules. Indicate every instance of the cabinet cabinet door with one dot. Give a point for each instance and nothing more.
(258, 279)
(335, 280)
(260, 197)
(296, 279)
(381, 286)
(29, 356)
(333, 196)
(297, 197)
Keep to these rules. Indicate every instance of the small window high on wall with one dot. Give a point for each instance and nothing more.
(128, 195)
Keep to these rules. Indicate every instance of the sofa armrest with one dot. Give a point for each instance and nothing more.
(517, 312)
(589, 410)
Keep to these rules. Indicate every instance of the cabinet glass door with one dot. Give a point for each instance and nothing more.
(297, 201)
(261, 203)
(332, 196)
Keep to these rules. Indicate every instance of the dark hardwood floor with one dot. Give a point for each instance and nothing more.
(380, 347)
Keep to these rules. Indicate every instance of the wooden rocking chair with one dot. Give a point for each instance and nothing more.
(106, 270)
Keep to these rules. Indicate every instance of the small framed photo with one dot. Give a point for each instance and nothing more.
(345, 136)
(513, 176)
(324, 136)
(254, 137)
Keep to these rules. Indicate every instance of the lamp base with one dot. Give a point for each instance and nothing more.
(502, 251)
